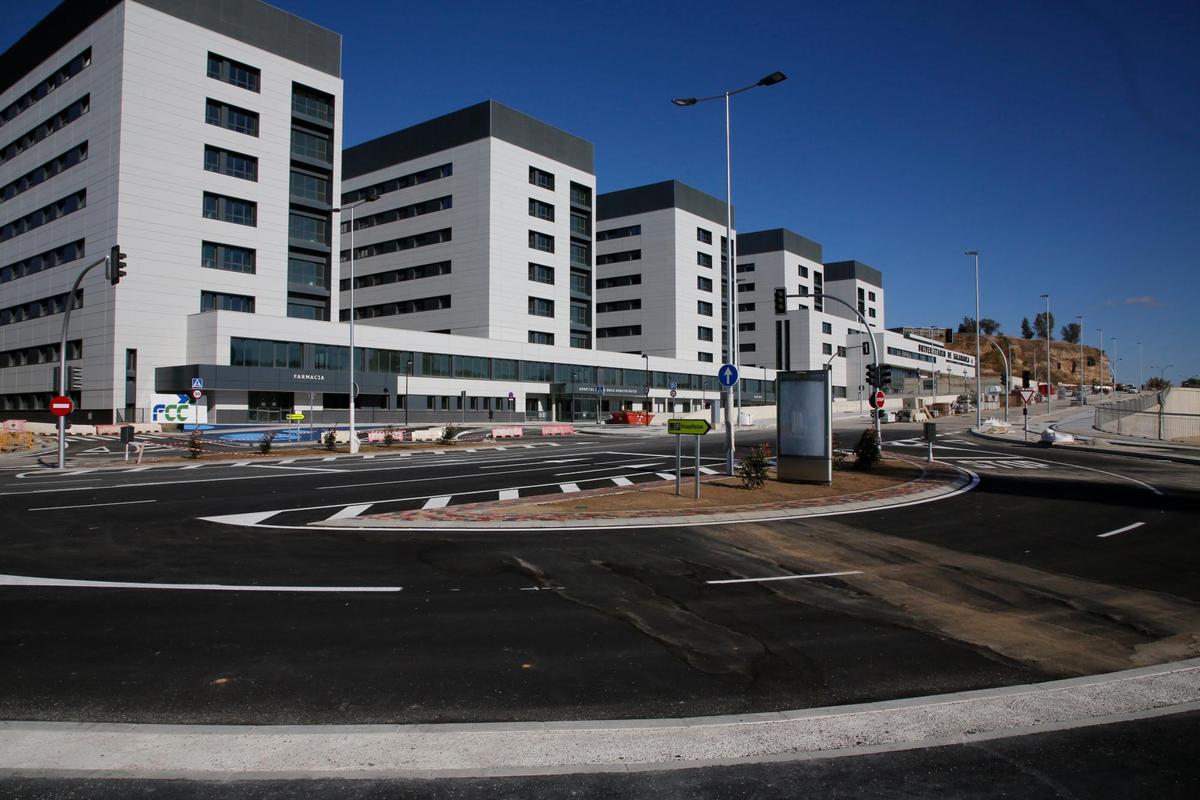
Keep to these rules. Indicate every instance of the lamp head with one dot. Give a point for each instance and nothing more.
(684, 101)
(773, 78)
(971, 253)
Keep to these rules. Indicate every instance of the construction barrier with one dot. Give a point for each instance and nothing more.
(558, 430)
(14, 425)
(513, 432)
(378, 436)
(108, 430)
(15, 440)
(428, 435)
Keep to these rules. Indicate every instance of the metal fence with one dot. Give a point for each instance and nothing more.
(1143, 416)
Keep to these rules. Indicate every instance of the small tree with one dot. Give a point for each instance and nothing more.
(449, 433)
(1026, 328)
(1191, 383)
(264, 444)
(389, 436)
(989, 327)
(194, 445)
(1070, 333)
(753, 468)
(330, 439)
(1158, 384)
(1044, 324)
(867, 453)
(967, 325)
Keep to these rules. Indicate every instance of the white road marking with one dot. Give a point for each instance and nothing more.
(666, 476)
(192, 466)
(509, 494)
(93, 505)
(242, 464)
(349, 512)
(252, 518)
(1118, 530)
(619, 481)
(568, 487)
(69, 583)
(137, 469)
(786, 577)
(305, 469)
(707, 471)
(437, 502)
(610, 468)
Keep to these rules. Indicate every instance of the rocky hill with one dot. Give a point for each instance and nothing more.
(1030, 354)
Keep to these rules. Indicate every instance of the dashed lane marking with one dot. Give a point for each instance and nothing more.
(93, 505)
(620, 481)
(569, 487)
(1120, 530)
(509, 494)
(70, 583)
(786, 577)
(437, 502)
(349, 512)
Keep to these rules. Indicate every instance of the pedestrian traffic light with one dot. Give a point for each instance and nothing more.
(885, 376)
(780, 300)
(872, 376)
(115, 268)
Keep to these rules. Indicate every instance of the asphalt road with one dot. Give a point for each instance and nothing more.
(1012, 582)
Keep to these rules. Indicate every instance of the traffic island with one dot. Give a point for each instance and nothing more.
(894, 482)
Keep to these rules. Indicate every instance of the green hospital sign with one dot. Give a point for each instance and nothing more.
(688, 427)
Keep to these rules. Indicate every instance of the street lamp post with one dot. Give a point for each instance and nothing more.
(1082, 396)
(978, 364)
(1112, 365)
(371, 197)
(1140, 381)
(1100, 360)
(407, 375)
(731, 300)
(1049, 388)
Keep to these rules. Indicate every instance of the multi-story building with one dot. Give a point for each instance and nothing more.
(482, 226)
(659, 272)
(201, 137)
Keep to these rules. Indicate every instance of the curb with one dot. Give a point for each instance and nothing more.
(248, 752)
(1104, 450)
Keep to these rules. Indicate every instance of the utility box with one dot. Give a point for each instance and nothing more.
(930, 431)
(126, 434)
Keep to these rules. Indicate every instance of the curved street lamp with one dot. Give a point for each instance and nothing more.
(731, 300)
(370, 197)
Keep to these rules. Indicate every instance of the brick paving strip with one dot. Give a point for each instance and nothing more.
(937, 480)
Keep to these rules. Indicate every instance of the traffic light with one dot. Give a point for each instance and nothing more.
(115, 269)
(885, 376)
(1025, 379)
(872, 376)
(780, 300)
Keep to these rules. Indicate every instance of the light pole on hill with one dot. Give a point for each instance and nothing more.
(1082, 372)
(1049, 386)
(978, 364)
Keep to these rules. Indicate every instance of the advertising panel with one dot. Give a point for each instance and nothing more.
(178, 408)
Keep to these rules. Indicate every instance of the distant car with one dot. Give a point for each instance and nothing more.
(882, 413)
(1051, 437)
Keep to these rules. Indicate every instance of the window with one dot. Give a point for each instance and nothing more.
(580, 314)
(436, 365)
(620, 280)
(745, 287)
(471, 367)
(42, 261)
(618, 331)
(230, 117)
(54, 304)
(234, 72)
(311, 103)
(617, 258)
(745, 268)
(44, 215)
(745, 326)
(827, 349)
(311, 145)
(415, 306)
(581, 283)
(230, 209)
(541, 241)
(581, 195)
(581, 341)
(305, 186)
(704, 284)
(306, 272)
(219, 301)
(861, 293)
(803, 271)
(745, 306)
(403, 182)
(703, 235)
(299, 308)
(45, 129)
(541, 178)
(504, 369)
(540, 273)
(403, 243)
(826, 327)
(581, 225)
(618, 233)
(619, 305)
(704, 357)
(541, 210)
(704, 334)
(44, 172)
(704, 309)
(227, 257)
(541, 337)
(227, 162)
(871, 296)
(403, 212)
(310, 230)
(264, 353)
(746, 347)
(581, 255)
(397, 275)
(43, 89)
(541, 307)
(870, 312)
(704, 260)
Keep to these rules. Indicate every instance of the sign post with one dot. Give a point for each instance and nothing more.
(728, 376)
(1026, 396)
(687, 427)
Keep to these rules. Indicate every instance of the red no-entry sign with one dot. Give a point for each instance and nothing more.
(877, 399)
(61, 405)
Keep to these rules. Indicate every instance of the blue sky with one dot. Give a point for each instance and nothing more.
(1061, 139)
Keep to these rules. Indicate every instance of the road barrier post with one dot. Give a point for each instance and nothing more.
(678, 464)
(697, 438)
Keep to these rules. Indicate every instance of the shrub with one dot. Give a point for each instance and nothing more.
(264, 444)
(330, 439)
(839, 455)
(449, 432)
(867, 453)
(194, 445)
(752, 469)
(389, 436)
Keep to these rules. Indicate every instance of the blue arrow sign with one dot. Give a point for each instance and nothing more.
(183, 399)
(727, 375)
